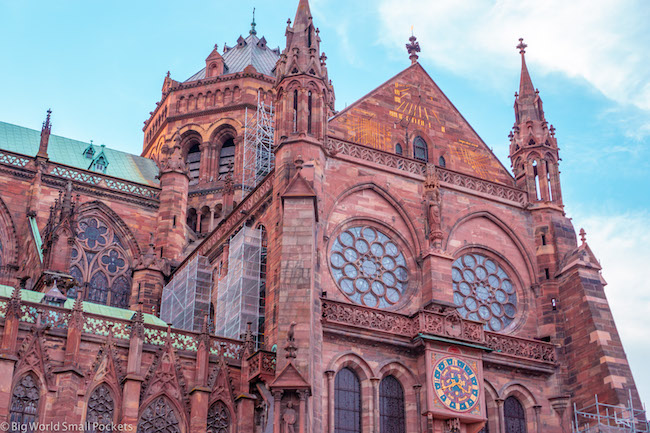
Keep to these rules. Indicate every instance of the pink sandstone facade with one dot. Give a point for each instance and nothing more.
(412, 283)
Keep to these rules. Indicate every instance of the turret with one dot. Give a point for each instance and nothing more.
(304, 93)
(533, 146)
(45, 136)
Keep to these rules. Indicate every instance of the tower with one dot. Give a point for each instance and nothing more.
(304, 98)
(533, 146)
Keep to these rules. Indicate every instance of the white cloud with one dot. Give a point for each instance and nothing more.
(603, 42)
(620, 242)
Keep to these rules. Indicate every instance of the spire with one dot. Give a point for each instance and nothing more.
(303, 16)
(252, 30)
(45, 136)
(525, 83)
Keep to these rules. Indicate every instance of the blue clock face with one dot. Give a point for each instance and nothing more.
(456, 384)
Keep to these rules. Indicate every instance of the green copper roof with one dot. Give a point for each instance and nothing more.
(70, 152)
(89, 307)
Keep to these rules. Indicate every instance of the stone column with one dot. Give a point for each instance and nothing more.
(330, 400)
(303, 412)
(8, 356)
(538, 421)
(418, 405)
(133, 380)
(374, 410)
(277, 416)
(501, 428)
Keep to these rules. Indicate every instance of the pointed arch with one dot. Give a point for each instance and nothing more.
(27, 399)
(8, 239)
(220, 418)
(415, 240)
(102, 406)
(102, 256)
(161, 414)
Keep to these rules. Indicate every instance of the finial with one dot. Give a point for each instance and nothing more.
(323, 59)
(583, 236)
(552, 130)
(253, 31)
(168, 74)
(47, 119)
(288, 21)
(521, 46)
(299, 162)
(413, 47)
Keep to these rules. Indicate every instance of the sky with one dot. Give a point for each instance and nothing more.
(100, 67)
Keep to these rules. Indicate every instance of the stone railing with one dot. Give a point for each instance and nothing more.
(262, 364)
(94, 324)
(413, 166)
(446, 324)
(104, 181)
(83, 176)
(521, 347)
(14, 159)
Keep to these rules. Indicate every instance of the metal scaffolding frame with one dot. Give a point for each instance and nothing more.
(238, 301)
(258, 157)
(605, 418)
(186, 298)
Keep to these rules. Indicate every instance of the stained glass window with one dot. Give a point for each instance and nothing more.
(420, 150)
(514, 416)
(100, 265)
(484, 291)
(101, 409)
(391, 406)
(347, 402)
(158, 417)
(369, 267)
(24, 403)
(218, 418)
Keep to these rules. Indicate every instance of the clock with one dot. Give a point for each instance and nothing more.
(455, 384)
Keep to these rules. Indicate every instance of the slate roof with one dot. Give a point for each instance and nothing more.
(238, 57)
(66, 151)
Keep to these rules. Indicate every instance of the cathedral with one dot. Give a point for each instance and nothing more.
(269, 264)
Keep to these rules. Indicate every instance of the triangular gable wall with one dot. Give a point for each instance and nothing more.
(377, 120)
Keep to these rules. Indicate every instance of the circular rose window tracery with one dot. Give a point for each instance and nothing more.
(369, 267)
(484, 291)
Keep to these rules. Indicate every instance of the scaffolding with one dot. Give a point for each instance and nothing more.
(258, 145)
(186, 298)
(238, 301)
(605, 418)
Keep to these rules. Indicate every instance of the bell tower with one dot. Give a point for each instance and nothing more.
(533, 146)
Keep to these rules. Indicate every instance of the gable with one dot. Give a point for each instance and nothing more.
(412, 101)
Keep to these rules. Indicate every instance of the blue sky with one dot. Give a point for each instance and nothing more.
(100, 67)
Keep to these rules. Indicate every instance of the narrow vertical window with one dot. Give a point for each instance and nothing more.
(295, 110)
(398, 149)
(309, 112)
(536, 174)
(548, 180)
(347, 402)
(441, 162)
(262, 302)
(391, 406)
(194, 163)
(226, 158)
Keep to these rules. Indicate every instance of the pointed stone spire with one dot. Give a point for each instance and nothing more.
(303, 15)
(525, 83)
(45, 136)
(302, 53)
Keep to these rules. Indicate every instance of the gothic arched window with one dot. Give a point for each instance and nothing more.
(159, 417)
(24, 402)
(227, 157)
(194, 163)
(101, 408)
(218, 418)
(100, 265)
(347, 402)
(420, 149)
(391, 406)
(441, 162)
(398, 149)
(514, 416)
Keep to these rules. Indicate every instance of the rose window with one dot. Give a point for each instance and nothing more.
(369, 267)
(483, 291)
